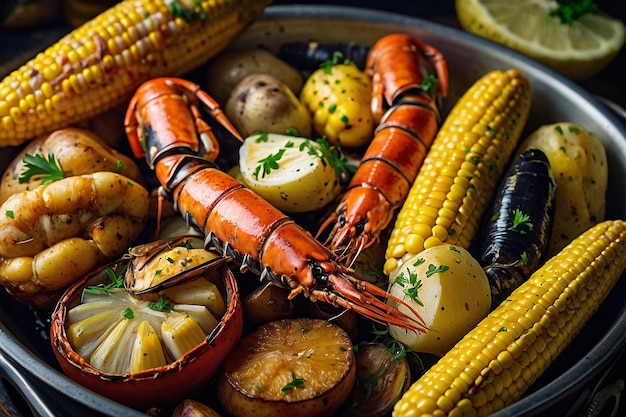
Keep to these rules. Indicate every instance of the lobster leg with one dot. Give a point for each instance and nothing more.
(361, 297)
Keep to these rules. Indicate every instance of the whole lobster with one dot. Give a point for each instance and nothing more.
(409, 79)
(236, 222)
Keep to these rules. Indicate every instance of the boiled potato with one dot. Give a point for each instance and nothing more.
(339, 99)
(262, 102)
(229, 68)
(580, 170)
(291, 173)
(450, 291)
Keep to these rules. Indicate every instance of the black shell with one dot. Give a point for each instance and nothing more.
(509, 247)
(310, 55)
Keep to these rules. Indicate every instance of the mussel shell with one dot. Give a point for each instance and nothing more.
(159, 386)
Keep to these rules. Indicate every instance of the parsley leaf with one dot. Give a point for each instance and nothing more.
(162, 304)
(521, 222)
(569, 11)
(117, 281)
(410, 285)
(295, 382)
(38, 167)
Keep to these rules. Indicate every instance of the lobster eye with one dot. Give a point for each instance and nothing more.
(321, 276)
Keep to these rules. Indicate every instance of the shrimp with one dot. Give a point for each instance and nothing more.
(52, 235)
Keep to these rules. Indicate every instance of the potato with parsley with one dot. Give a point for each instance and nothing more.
(295, 174)
(450, 291)
(263, 103)
(580, 171)
(338, 96)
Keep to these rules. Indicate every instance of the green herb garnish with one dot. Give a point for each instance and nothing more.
(295, 382)
(429, 85)
(521, 220)
(268, 164)
(37, 167)
(569, 11)
(162, 304)
(117, 281)
(410, 285)
(432, 270)
(128, 313)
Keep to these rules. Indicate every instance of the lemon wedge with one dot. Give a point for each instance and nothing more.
(578, 50)
(292, 173)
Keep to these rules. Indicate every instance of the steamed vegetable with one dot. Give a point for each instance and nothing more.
(450, 291)
(263, 103)
(338, 97)
(498, 360)
(294, 174)
(580, 170)
(229, 68)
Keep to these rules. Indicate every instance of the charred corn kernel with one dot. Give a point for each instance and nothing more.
(133, 40)
(462, 168)
(497, 361)
(180, 333)
(147, 352)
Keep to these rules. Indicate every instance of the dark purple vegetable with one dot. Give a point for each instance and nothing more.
(310, 55)
(516, 228)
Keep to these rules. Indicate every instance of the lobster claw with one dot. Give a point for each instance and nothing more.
(164, 263)
(164, 117)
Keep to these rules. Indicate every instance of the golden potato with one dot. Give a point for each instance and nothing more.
(450, 291)
(263, 103)
(291, 173)
(580, 170)
(229, 68)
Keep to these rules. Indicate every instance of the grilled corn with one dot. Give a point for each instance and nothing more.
(463, 167)
(496, 362)
(99, 64)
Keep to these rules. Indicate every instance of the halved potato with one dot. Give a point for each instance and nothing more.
(450, 291)
(290, 172)
(302, 367)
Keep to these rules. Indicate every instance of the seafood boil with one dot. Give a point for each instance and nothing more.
(152, 323)
(236, 221)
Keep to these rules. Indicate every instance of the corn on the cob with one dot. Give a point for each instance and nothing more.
(493, 365)
(462, 168)
(99, 64)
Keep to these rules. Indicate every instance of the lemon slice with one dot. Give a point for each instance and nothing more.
(577, 50)
(290, 172)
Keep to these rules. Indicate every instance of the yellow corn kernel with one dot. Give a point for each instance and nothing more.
(142, 40)
(147, 352)
(463, 167)
(490, 379)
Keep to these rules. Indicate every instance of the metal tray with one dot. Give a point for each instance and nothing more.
(568, 385)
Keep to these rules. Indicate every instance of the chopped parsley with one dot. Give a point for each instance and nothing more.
(521, 222)
(569, 11)
(162, 304)
(37, 167)
(410, 284)
(295, 382)
(432, 270)
(128, 313)
(10, 214)
(429, 85)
